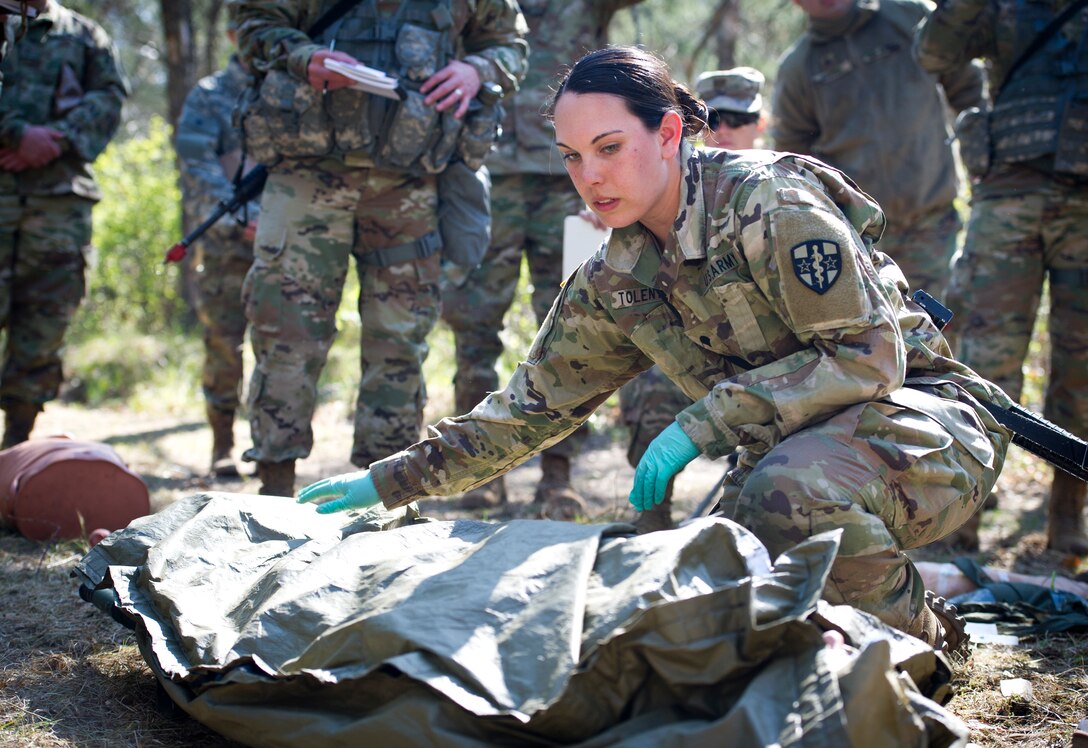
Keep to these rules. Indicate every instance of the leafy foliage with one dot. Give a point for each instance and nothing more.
(137, 220)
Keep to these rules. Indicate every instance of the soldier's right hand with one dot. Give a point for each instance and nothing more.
(40, 145)
(347, 491)
(324, 79)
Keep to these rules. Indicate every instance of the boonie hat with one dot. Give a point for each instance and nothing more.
(733, 90)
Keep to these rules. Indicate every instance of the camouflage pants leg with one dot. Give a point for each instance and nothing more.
(527, 212)
(398, 308)
(891, 478)
(648, 404)
(42, 246)
(221, 268)
(1013, 244)
(291, 294)
(923, 249)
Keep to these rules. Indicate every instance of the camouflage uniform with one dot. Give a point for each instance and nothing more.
(209, 152)
(770, 309)
(530, 196)
(62, 74)
(850, 93)
(317, 211)
(1029, 213)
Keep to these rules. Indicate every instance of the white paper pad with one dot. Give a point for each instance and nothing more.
(581, 239)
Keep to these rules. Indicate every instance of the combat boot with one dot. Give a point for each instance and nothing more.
(1065, 515)
(19, 422)
(939, 625)
(222, 423)
(554, 492)
(657, 518)
(488, 496)
(277, 478)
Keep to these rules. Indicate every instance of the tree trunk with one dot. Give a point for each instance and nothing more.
(727, 33)
(177, 28)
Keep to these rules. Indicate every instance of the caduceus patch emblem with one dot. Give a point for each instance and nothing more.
(816, 263)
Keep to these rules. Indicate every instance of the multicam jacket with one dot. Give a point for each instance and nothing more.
(768, 306)
(64, 74)
(850, 93)
(559, 34)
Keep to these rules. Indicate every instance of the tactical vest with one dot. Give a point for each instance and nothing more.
(1043, 110)
(289, 118)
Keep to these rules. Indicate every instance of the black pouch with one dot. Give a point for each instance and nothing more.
(464, 213)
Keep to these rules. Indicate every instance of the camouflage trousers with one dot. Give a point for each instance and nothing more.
(893, 475)
(315, 215)
(1013, 244)
(923, 249)
(648, 404)
(221, 265)
(43, 243)
(527, 212)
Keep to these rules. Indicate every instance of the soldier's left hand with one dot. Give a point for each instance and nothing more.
(666, 456)
(454, 85)
(347, 491)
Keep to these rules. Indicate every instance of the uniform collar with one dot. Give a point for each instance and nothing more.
(627, 244)
(826, 29)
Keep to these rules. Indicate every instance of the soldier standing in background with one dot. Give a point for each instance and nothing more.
(650, 401)
(1029, 212)
(354, 174)
(850, 93)
(61, 104)
(735, 100)
(209, 155)
(531, 195)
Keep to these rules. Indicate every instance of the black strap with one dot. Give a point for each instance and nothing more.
(336, 12)
(424, 246)
(1040, 39)
(1041, 437)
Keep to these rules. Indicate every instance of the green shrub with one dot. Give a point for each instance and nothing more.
(137, 220)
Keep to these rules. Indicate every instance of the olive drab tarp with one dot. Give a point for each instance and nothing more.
(277, 626)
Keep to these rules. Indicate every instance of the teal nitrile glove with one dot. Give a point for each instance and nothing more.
(347, 491)
(666, 456)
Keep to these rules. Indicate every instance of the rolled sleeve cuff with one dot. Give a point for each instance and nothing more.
(298, 61)
(391, 480)
(484, 68)
(713, 438)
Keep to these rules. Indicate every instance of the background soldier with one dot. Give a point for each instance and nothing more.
(735, 100)
(353, 174)
(531, 195)
(650, 402)
(850, 93)
(61, 104)
(1029, 213)
(209, 154)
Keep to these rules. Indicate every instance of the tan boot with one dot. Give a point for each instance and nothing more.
(1065, 515)
(19, 422)
(277, 478)
(222, 423)
(489, 496)
(559, 501)
(939, 625)
(658, 518)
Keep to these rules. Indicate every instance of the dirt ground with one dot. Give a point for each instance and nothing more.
(69, 676)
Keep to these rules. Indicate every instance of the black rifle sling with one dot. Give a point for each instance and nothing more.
(1042, 438)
